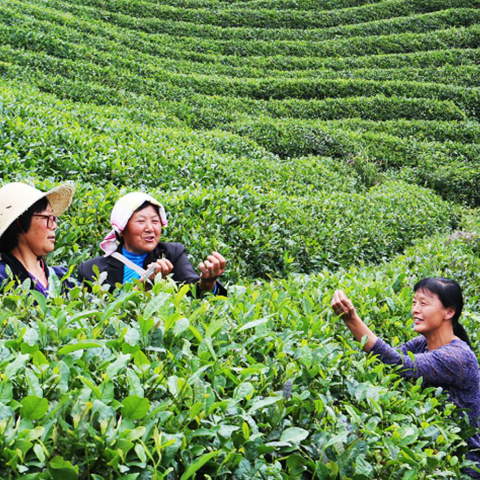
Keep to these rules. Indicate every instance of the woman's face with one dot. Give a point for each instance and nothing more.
(40, 238)
(428, 312)
(143, 231)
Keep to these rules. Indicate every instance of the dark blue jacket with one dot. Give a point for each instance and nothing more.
(183, 271)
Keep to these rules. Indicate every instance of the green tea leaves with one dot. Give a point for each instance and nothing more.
(33, 407)
(294, 435)
(78, 346)
(134, 407)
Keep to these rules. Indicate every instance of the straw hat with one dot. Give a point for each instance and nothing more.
(16, 198)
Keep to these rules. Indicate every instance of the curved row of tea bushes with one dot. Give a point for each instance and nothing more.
(104, 34)
(292, 139)
(249, 206)
(439, 20)
(293, 52)
(335, 142)
(272, 234)
(64, 42)
(266, 380)
(386, 107)
(450, 168)
(171, 86)
(276, 18)
(423, 22)
(466, 132)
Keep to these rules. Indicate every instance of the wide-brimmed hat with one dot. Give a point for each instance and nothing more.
(16, 198)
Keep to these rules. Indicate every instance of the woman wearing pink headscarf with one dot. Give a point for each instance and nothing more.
(133, 250)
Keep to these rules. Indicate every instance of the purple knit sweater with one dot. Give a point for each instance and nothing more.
(453, 366)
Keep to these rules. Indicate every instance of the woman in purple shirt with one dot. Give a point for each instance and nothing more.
(442, 354)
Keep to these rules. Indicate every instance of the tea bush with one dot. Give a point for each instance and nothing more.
(318, 145)
(263, 231)
(264, 381)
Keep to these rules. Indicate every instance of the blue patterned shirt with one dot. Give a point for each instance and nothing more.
(454, 367)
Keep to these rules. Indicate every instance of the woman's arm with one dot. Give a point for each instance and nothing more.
(453, 364)
(343, 307)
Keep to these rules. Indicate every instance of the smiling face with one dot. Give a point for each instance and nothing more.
(143, 230)
(428, 312)
(39, 238)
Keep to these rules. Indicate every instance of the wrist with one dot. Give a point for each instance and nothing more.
(207, 284)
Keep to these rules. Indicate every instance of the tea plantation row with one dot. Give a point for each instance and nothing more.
(92, 64)
(264, 384)
(258, 215)
(312, 143)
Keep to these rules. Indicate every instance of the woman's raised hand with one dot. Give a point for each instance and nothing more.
(162, 265)
(211, 269)
(343, 306)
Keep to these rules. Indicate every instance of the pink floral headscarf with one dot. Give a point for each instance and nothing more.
(121, 213)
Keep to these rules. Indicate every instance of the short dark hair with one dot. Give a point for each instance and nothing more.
(9, 240)
(146, 204)
(450, 294)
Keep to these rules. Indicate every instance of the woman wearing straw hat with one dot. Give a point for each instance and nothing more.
(133, 251)
(28, 220)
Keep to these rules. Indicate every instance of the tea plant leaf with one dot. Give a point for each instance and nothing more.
(6, 392)
(31, 336)
(61, 469)
(140, 451)
(39, 360)
(226, 430)
(155, 304)
(81, 315)
(87, 382)
(34, 407)
(253, 324)
(197, 464)
(72, 347)
(244, 390)
(181, 325)
(134, 383)
(34, 387)
(362, 467)
(34, 433)
(118, 365)
(214, 327)
(294, 435)
(40, 300)
(134, 407)
(132, 336)
(18, 364)
(40, 454)
(5, 412)
(259, 404)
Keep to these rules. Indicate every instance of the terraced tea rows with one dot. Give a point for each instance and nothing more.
(311, 142)
(100, 58)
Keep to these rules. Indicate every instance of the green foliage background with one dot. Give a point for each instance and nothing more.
(317, 145)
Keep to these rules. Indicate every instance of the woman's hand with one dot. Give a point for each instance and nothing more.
(211, 269)
(343, 306)
(162, 266)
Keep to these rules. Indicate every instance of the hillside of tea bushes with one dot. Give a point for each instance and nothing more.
(316, 144)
